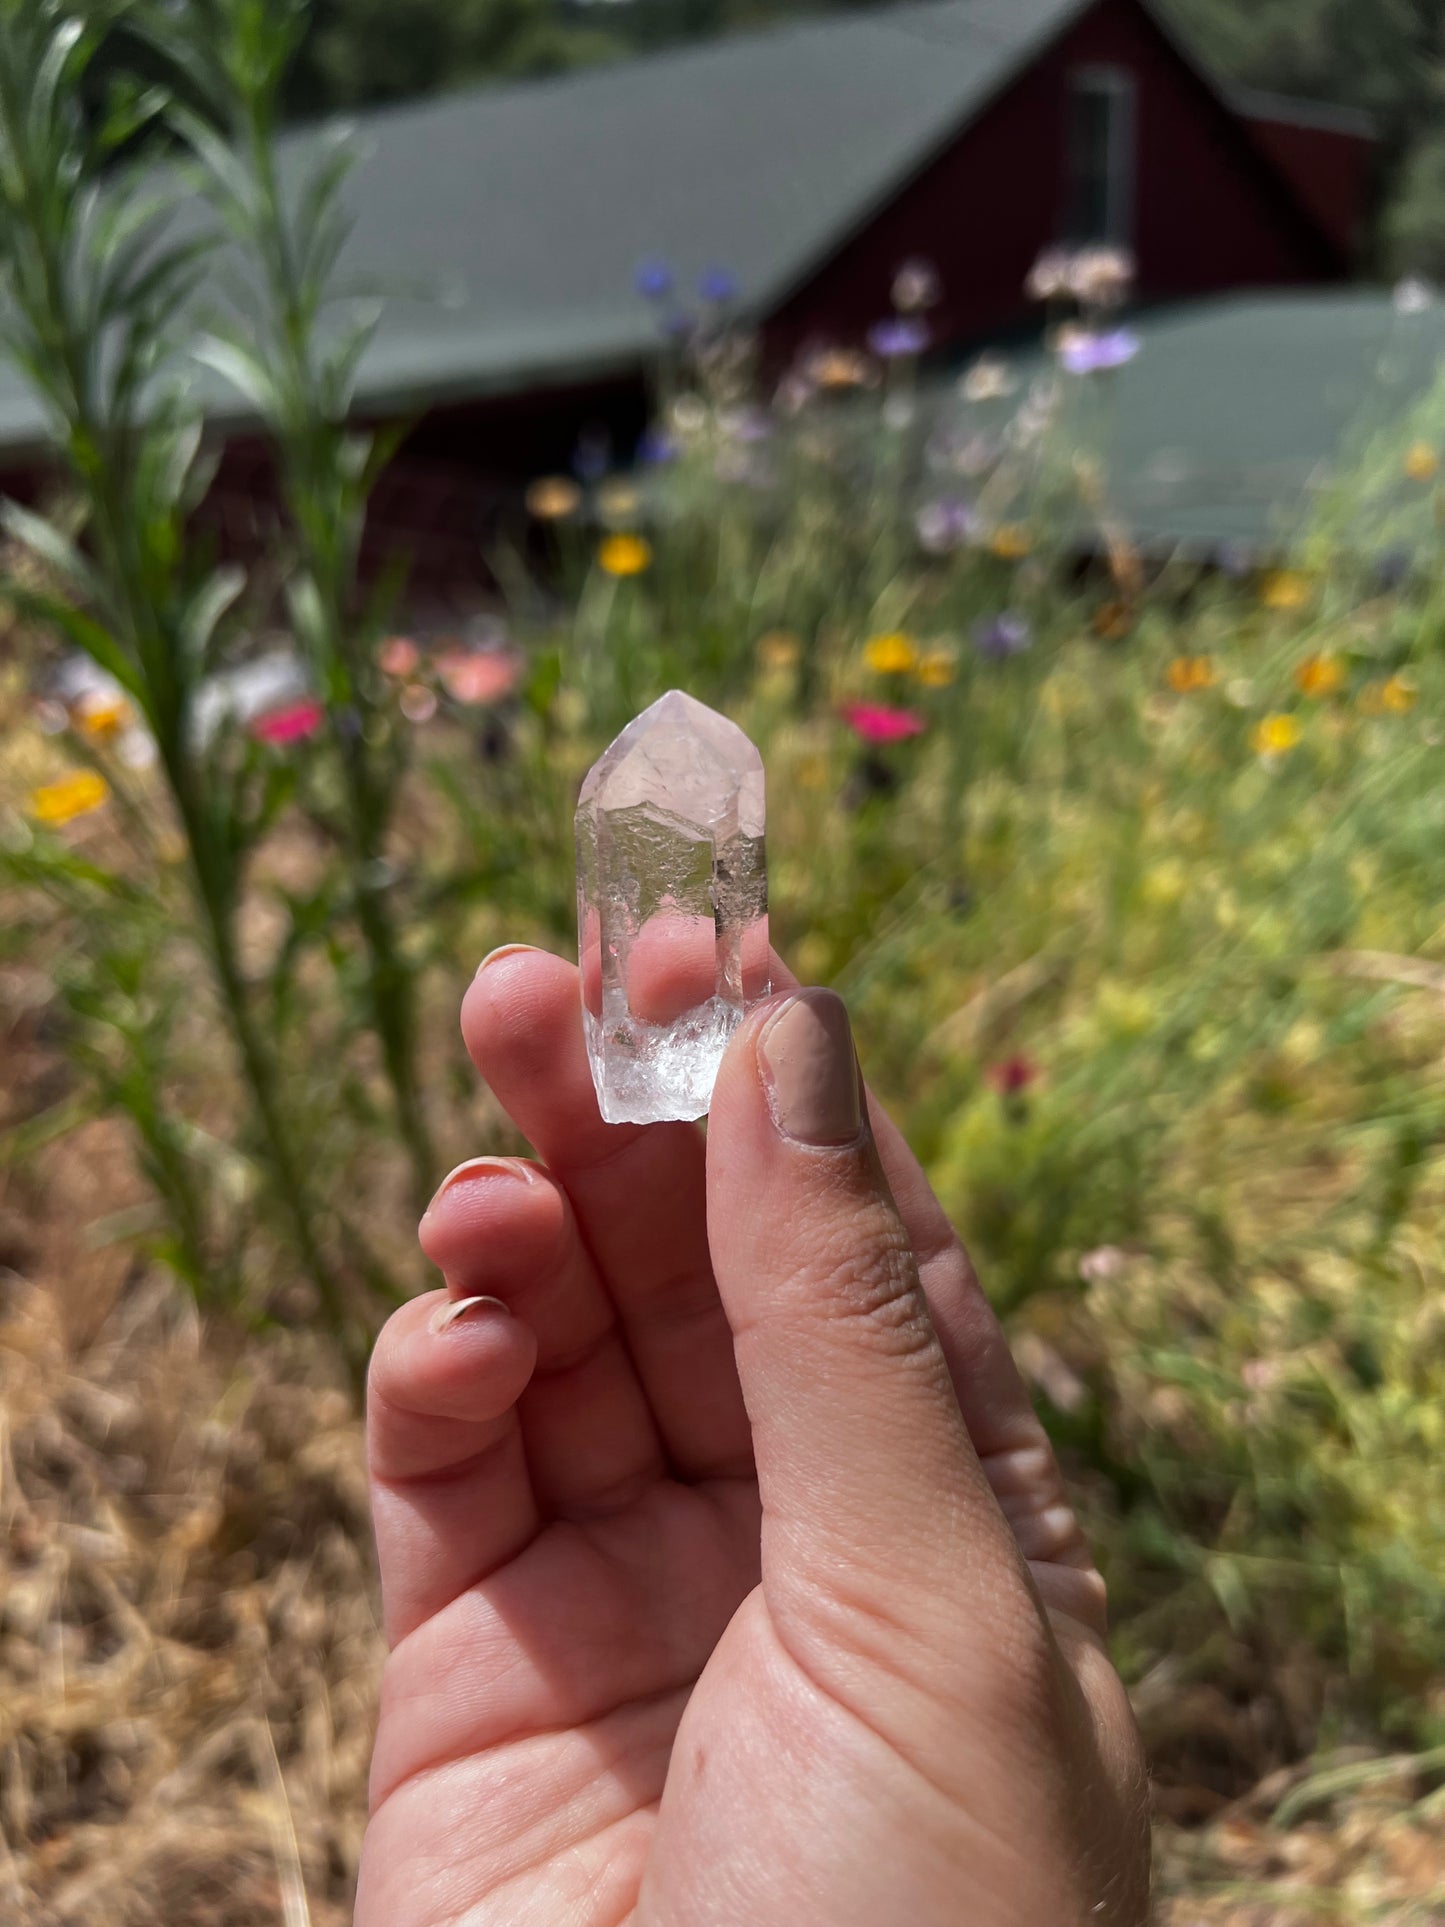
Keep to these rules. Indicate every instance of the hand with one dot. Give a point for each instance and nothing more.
(728, 1574)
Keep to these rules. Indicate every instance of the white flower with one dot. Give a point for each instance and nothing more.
(1051, 275)
(916, 286)
(1413, 296)
(989, 379)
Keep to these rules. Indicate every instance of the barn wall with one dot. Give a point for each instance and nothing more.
(1333, 173)
(1211, 212)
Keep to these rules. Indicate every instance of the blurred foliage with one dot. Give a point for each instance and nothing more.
(1387, 58)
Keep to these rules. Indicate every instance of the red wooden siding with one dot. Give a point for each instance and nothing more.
(1211, 212)
(1331, 170)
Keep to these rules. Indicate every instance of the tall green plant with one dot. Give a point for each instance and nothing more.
(282, 350)
(94, 273)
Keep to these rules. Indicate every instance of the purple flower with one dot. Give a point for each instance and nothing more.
(592, 456)
(746, 424)
(653, 280)
(944, 525)
(1234, 559)
(656, 448)
(900, 335)
(1085, 353)
(717, 286)
(999, 637)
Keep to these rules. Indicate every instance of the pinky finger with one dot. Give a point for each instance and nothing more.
(451, 1498)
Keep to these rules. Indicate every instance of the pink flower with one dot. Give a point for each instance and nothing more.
(1014, 1076)
(291, 723)
(876, 723)
(399, 656)
(478, 676)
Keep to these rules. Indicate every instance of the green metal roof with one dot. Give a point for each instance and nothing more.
(505, 226)
(506, 223)
(1237, 410)
(528, 208)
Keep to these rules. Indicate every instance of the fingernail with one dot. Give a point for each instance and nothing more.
(503, 950)
(810, 1071)
(483, 1167)
(447, 1315)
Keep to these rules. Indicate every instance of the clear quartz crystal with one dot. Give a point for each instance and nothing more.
(672, 907)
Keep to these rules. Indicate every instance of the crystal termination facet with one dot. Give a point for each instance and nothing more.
(672, 908)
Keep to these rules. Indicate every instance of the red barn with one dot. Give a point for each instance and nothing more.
(806, 163)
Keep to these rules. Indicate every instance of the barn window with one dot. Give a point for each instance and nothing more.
(1101, 155)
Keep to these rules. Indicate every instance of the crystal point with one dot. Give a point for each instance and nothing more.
(672, 907)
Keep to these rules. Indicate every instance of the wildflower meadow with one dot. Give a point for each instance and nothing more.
(1128, 860)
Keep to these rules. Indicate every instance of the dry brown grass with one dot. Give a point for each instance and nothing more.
(189, 1649)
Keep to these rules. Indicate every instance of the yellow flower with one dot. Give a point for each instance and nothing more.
(1275, 736)
(1186, 675)
(936, 668)
(1286, 589)
(891, 655)
(1320, 675)
(72, 796)
(779, 649)
(102, 716)
(1422, 462)
(1011, 542)
(553, 497)
(1166, 884)
(1397, 696)
(624, 555)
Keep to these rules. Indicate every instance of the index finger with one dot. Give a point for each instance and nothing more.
(640, 1200)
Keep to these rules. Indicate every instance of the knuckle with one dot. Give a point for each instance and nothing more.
(865, 1281)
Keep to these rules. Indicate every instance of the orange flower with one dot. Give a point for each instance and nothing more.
(623, 555)
(1275, 736)
(1422, 462)
(779, 649)
(1113, 621)
(102, 716)
(1320, 676)
(1011, 542)
(71, 796)
(1187, 675)
(553, 498)
(839, 368)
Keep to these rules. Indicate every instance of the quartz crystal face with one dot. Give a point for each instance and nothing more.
(672, 908)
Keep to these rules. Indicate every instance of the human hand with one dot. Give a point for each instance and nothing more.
(729, 1576)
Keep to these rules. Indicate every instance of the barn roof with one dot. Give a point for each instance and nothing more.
(1239, 409)
(528, 208)
(504, 224)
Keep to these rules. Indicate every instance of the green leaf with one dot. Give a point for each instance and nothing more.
(55, 549)
(245, 372)
(214, 598)
(221, 163)
(51, 72)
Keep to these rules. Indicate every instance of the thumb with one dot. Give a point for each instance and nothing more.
(873, 1496)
